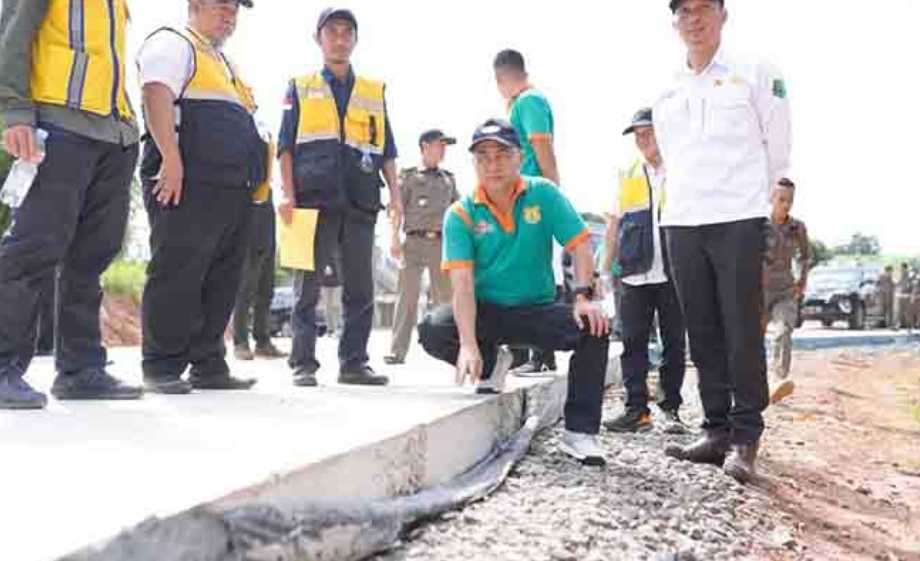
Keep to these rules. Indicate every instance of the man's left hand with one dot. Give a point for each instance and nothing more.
(590, 315)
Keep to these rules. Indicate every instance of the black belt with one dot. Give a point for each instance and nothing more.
(428, 234)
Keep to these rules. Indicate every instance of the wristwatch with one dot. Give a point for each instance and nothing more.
(586, 291)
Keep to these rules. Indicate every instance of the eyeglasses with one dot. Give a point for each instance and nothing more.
(686, 13)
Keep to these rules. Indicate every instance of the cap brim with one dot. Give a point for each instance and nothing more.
(632, 128)
(497, 139)
(246, 3)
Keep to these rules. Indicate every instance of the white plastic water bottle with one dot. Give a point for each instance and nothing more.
(22, 174)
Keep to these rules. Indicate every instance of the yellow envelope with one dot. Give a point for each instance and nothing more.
(297, 239)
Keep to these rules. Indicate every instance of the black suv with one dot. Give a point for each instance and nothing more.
(841, 293)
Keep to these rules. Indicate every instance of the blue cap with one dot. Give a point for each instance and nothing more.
(499, 130)
(336, 13)
(674, 4)
(642, 118)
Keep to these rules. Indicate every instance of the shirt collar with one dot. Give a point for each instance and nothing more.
(719, 59)
(330, 78)
(481, 197)
(527, 87)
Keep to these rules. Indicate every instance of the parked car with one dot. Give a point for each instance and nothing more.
(279, 315)
(845, 293)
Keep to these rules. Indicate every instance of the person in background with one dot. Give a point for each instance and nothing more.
(787, 240)
(885, 292)
(532, 117)
(635, 241)
(427, 192)
(258, 286)
(337, 150)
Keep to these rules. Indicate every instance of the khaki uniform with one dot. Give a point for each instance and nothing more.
(426, 195)
(903, 304)
(885, 291)
(784, 241)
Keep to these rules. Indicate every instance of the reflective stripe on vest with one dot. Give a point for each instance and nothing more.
(78, 57)
(214, 77)
(365, 119)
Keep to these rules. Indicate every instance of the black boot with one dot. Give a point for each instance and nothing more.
(710, 449)
(740, 461)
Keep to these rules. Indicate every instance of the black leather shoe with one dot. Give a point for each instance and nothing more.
(305, 378)
(740, 461)
(220, 382)
(16, 393)
(167, 386)
(710, 449)
(363, 376)
(93, 383)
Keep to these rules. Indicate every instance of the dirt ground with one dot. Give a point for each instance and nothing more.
(120, 322)
(841, 457)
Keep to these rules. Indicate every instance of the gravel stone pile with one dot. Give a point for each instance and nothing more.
(642, 505)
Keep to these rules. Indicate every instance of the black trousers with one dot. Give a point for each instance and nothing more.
(638, 305)
(718, 271)
(44, 331)
(351, 233)
(548, 326)
(197, 253)
(258, 285)
(73, 219)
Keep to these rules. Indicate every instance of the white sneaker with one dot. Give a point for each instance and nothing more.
(496, 383)
(583, 447)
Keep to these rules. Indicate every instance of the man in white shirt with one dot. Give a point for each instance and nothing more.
(634, 239)
(723, 128)
(201, 163)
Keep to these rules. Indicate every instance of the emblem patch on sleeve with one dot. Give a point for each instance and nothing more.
(779, 88)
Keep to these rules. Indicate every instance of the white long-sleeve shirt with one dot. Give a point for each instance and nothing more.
(725, 135)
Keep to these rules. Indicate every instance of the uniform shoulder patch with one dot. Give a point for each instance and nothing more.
(779, 88)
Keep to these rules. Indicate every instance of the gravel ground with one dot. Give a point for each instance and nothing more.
(642, 505)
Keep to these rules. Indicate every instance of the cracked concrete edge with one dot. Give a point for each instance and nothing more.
(425, 456)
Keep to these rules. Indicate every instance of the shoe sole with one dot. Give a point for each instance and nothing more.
(595, 461)
(356, 383)
(641, 428)
(97, 397)
(738, 474)
(782, 391)
(679, 455)
(221, 388)
(22, 406)
(174, 388)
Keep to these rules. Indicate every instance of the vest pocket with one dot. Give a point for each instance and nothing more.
(636, 244)
(316, 175)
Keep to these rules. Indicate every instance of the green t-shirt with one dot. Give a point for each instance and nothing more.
(511, 256)
(532, 118)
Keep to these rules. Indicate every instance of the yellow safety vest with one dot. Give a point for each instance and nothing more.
(210, 79)
(364, 128)
(636, 236)
(78, 57)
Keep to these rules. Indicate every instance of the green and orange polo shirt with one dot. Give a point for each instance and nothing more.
(511, 254)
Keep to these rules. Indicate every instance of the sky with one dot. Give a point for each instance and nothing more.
(854, 95)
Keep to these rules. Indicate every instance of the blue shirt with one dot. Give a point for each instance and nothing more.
(341, 90)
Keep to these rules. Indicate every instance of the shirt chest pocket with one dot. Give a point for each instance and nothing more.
(675, 116)
(729, 113)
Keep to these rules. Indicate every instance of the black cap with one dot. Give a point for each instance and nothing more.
(434, 135)
(336, 13)
(676, 3)
(498, 130)
(247, 3)
(642, 118)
